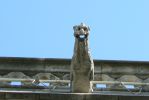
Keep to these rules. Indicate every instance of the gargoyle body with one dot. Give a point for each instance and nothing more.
(82, 66)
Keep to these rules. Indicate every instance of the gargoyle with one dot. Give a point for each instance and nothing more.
(82, 66)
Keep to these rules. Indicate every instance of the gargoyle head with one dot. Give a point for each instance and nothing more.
(81, 32)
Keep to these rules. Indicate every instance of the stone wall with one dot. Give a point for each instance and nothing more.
(105, 70)
(59, 69)
(41, 96)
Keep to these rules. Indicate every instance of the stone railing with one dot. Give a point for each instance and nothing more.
(111, 73)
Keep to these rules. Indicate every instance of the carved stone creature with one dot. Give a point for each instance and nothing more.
(82, 66)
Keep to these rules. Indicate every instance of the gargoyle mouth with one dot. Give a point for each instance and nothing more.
(81, 37)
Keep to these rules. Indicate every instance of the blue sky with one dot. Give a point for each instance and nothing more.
(43, 28)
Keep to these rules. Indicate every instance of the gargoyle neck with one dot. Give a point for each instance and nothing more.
(81, 49)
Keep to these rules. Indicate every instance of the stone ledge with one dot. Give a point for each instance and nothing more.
(71, 96)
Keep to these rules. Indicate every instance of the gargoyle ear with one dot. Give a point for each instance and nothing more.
(74, 28)
(88, 28)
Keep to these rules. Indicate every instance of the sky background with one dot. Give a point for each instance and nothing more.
(43, 28)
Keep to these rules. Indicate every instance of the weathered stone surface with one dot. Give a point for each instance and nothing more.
(18, 96)
(119, 68)
(129, 78)
(16, 75)
(82, 66)
(103, 77)
(48, 96)
(28, 67)
(66, 77)
(46, 76)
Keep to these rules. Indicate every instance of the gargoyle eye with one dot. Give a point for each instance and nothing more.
(85, 29)
(79, 28)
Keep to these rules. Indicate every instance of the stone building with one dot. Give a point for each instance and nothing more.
(49, 79)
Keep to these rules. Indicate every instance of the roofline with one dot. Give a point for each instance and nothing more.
(64, 60)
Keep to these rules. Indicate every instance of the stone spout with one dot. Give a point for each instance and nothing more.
(82, 66)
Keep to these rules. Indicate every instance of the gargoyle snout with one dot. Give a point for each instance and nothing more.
(82, 32)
